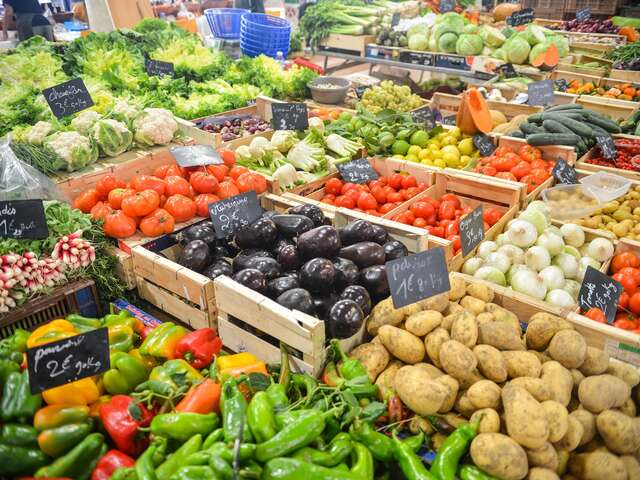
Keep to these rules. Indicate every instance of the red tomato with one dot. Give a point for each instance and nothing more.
(180, 207)
(634, 272)
(238, 170)
(521, 169)
(420, 222)
(491, 216)
(147, 182)
(334, 186)
(625, 259)
(366, 201)
(161, 171)
(202, 203)
(328, 199)
(507, 176)
(625, 321)
(251, 181)
(634, 303)
(596, 314)
(422, 209)
(86, 200)
(623, 301)
(450, 197)
(437, 231)
(539, 163)
(540, 174)
(447, 210)
(106, 184)
(386, 208)
(375, 213)
(203, 182)
(330, 196)
(530, 182)
(411, 192)
(407, 217)
(176, 185)
(228, 156)
(504, 164)
(379, 193)
(627, 281)
(489, 170)
(457, 245)
(529, 153)
(502, 151)
(177, 171)
(348, 186)
(346, 201)
(353, 193)
(395, 181)
(432, 201)
(452, 229)
(409, 181)
(227, 189)
(395, 197)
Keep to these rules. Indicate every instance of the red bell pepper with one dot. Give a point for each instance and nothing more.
(121, 418)
(146, 330)
(199, 347)
(109, 463)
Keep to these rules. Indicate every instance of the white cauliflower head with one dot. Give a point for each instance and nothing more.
(37, 133)
(76, 150)
(113, 137)
(125, 110)
(155, 126)
(84, 121)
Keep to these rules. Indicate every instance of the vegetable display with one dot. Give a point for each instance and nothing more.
(626, 57)
(626, 91)
(590, 25)
(627, 155)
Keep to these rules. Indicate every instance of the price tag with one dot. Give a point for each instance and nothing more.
(416, 58)
(68, 98)
(471, 230)
(416, 277)
(424, 115)
(447, 5)
(395, 19)
(68, 360)
(564, 173)
(583, 15)
(449, 120)
(599, 291)
(289, 116)
(507, 70)
(357, 171)
(23, 219)
(159, 68)
(196, 155)
(540, 93)
(608, 147)
(484, 144)
(360, 90)
(235, 212)
(560, 85)
(520, 17)
(457, 62)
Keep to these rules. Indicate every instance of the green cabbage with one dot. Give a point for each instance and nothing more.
(517, 50)
(447, 42)
(449, 22)
(113, 137)
(470, 28)
(534, 35)
(492, 36)
(433, 44)
(500, 54)
(421, 28)
(418, 41)
(508, 32)
(469, 45)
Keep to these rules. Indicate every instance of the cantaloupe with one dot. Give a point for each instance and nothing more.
(474, 115)
(497, 118)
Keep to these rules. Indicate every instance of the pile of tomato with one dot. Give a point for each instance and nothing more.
(625, 268)
(524, 166)
(173, 194)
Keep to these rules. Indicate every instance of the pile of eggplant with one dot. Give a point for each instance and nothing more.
(302, 263)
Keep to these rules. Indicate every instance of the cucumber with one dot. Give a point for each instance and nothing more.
(516, 134)
(541, 139)
(597, 130)
(566, 106)
(529, 128)
(552, 126)
(535, 118)
(597, 119)
(579, 128)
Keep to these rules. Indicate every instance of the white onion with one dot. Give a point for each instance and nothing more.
(537, 258)
(522, 233)
(529, 283)
(515, 269)
(540, 206)
(573, 234)
(491, 274)
(589, 262)
(471, 265)
(486, 248)
(572, 287)
(553, 277)
(513, 253)
(553, 229)
(568, 264)
(560, 298)
(584, 250)
(580, 274)
(503, 239)
(536, 218)
(573, 251)
(498, 260)
(551, 242)
(600, 249)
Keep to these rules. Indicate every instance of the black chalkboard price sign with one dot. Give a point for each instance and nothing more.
(395, 19)
(158, 68)
(196, 155)
(68, 98)
(23, 219)
(235, 212)
(289, 116)
(484, 144)
(607, 145)
(357, 171)
(471, 230)
(447, 5)
(564, 173)
(540, 93)
(507, 70)
(520, 17)
(599, 291)
(68, 360)
(583, 15)
(416, 277)
(424, 115)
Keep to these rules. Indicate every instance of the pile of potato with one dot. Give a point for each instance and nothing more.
(550, 406)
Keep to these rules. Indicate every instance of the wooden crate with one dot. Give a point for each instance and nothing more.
(617, 110)
(572, 75)
(352, 43)
(583, 164)
(124, 266)
(626, 75)
(613, 82)
(570, 64)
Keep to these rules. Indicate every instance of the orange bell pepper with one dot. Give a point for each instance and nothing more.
(201, 398)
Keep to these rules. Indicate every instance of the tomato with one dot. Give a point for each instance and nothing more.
(353, 193)
(180, 207)
(236, 171)
(623, 301)
(141, 203)
(420, 222)
(625, 259)
(333, 185)
(522, 169)
(504, 164)
(161, 171)
(218, 171)
(596, 314)
(106, 184)
(374, 183)
(177, 185)
(450, 197)
(203, 182)
(627, 281)
(539, 163)
(366, 201)
(406, 217)
(530, 182)
(432, 201)
(457, 243)
(86, 200)
(158, 222)
(348, 186)
(386, 208)
(491, 216)
(375, 213)
(409, 181)
(452, 229)
(437, 231)
(227, 156)
(330, 200)
(178, 171)
(395, 197)
(227, 189)
(634, 303)
(447, 210)
(625, 321)
(379, 194)
(118, 225)
(202, 202)
(507, 176)
(251, 181)
(346, 201)
(422, 209)
(395, 181)
(502, 151)
(100, 210)
(116, 196)
(540, 174)
(411, 192)
(489, 170)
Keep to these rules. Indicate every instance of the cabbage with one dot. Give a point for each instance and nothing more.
(470, 28)
(492, 36)
(500, 54)
(486, 51)
(469, 45)
(517, 50)
(418, 41)
(537, 50)
(433, 44)
(447, 42)
(508, 32)
(449, 22)
(421, 28)
(561, 43)
(534, 35)
(113, 137)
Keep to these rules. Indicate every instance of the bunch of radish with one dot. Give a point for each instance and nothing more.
(74, 251)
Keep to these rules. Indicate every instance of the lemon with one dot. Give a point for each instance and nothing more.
(455, 132)
(465, 146)
(436, 154)
(427, 161)
(424, 153)
(452, 149)
(433, 143)
(411, 158)
(414, 150)
(397, 155)
(451, 159)
(440, 163)
(448, 140)
(464, 160)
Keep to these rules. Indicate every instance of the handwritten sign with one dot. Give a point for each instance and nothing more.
(540, 93)
(196, 155)
(599, 290)
(507, 70)
(484, 144)
(607, 145)
(68, 98)
(235, 212)
(395, 19)
(360, 90)
(357, 171)
(449, 120)
(158, 68)
(289, 116)
(564, 173)
(23, 219)
(583, 15)
(471, 230)
(416, 277)
(520, 17)
(424, 115)
(68, 360)
(447, 5)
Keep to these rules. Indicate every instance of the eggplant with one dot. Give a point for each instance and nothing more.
(344, 319)
(260, 234)
(380, 235)
(202, 231)
(278, 286)
(195, 256)
(240, 261)
(288, 257)
(322, 305)
(394, 249)
(358, 294)
(320, 242)
(318, 275)
(269, 266)
(355, 232)
(218, 268)
(251, 278)
(374, 279)
(310, 211)
(219, 252)
(269, 214)
(364, 254)
(281, 242)
(346, 272)
(297, 299)
(292, 225)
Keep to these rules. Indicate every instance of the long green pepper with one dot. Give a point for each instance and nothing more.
(294, 469)
(233, 407)
(177, 458)
(336, 452)
(445, 465)
(471, 472)
(363, 463)
(18, 404)
(260, 418)
(380, 445)
(410, 464)
(349, 367)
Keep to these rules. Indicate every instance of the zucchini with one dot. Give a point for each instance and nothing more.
(541, 139)
(516, 134)
(535, 118)
(579, 128)
(529, 128)
(597, 130)
(597, 119)
(565, 106)
(553, 126)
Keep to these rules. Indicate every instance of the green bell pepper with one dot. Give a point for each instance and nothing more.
(121, 338)
(7, 367)
(79, 462)
(18, 404)
(184, 425)
(175, 374)
(19, 435)
(200, 472)
(16, 461)
(162, 340)
(125, 374)
(17, 341)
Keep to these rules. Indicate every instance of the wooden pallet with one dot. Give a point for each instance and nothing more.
(626, 75)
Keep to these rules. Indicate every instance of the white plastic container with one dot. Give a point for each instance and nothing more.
(606, 186)
(568, 202)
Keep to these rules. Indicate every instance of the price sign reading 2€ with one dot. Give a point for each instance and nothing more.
(289, 116)
(235, 212)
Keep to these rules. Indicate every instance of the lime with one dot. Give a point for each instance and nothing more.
(400, 147)
(420, 138)
(414, 150)
(411, 158)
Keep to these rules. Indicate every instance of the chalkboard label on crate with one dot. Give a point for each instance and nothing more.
(395, 19)
(447, 5)
(599, 290)
(471, 230)
(289, 116)
(196, 155)
(583, 15)
(449, 120)
(235, 212)
(484, 144)
(357, 171)
(424, 115)
(360, 90)
(520, 17)
(507, 70)
(23, 219)
(159, 68)
(68, 360)
(416, 277)
(564, 173)
(607, 145)
(68, 98)
(540, 93)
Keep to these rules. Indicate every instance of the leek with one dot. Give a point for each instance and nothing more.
(347, 29)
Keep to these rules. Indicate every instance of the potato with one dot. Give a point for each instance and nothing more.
(602, 392)
(541, 329)
(384, 314)
(500, 456)
(557, 418)
(595, 362)
(472, 305)
(456, 359)
(558, 380)
(625, 372)
(503, 315)
(632, 466)
(522, 364)
(452, 385)
(490, 363)
(433, 342)
(588, 421)
(578, 376)
(452, 308)
(484, 394)
(597, 466)
(465, 330)
(454, 419)
(468, 380)
(569, 348)
(628, 408)
(463, 405)
(401, 344)
(419, 424)
(489, 420)
(524, 416)
(437, 302)
(422, 323)
(447, 322)
(480, 291)
(621, 434)
(432, 371)
(384, 382)
(458, 288)
(500, 335)
(374, 357)
(535, 386)
(572, 438)
(418, 392)
(563, 461)
(545, 457)
(542, 474)
(484, 317)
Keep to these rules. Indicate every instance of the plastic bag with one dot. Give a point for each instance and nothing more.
(19, 181)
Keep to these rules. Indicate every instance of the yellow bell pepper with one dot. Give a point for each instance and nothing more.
(80, 392)
(50, 332)
(148, 361)
(226, 362)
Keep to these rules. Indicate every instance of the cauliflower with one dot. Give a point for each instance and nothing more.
(283, 140)
(76, 150)
(113, 137)
(84, 121)
(125, 110)
(36, 134)
(155, 126)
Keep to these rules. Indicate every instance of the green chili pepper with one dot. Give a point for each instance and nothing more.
(410, 464)
(251, 471)
(380, 445)
(445, 465)
(294, 469)
(7, 367)
(182, 426)
(177, 458)
(213, 437)
(337, 451)
(198, 458)
(363, 463)
(277, 395)
(260, 417)
(471, 472)
(222, 450)
(415, 442)
(144, 467)
(16, 461)
(122, 473)
(305, 381)
(233, 406)
(84, 324)
(19, 435)
(221, 468)
(349, 368)
(201, 472)
(79, 462)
